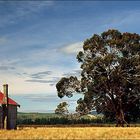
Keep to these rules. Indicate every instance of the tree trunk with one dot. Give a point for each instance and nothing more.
(120, 118)
(119, 112)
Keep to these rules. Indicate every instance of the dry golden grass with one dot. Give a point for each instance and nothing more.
(73, 133)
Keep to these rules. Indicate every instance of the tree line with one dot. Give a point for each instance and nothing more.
(58, 120)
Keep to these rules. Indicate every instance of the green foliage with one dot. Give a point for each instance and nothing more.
(66, 86)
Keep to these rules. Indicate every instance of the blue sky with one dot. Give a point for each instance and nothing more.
(39, 41)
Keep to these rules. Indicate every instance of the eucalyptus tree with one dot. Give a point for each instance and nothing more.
(110, 76)
(62, 109)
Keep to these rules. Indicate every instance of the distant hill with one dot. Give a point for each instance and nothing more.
(34, 115)
(53, 119)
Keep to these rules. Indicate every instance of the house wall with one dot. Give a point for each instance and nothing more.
(1, 124)
(12, 116)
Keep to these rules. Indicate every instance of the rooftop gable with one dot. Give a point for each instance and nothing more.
(10, 101)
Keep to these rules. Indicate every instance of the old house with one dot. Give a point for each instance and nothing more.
(8, 110)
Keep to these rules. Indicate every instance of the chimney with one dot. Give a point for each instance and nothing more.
(6, 119)
(5, 91)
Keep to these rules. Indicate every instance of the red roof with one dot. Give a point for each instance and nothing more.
(10, 101)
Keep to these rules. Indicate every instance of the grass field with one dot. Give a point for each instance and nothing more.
(75, 133)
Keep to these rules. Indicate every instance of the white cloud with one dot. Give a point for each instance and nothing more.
(36, 71)
(17, 77)
(72, 48)
(17, 85)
